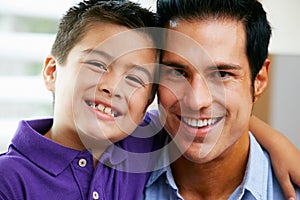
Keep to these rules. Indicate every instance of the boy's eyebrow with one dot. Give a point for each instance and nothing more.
(140, 68)
(98, 52)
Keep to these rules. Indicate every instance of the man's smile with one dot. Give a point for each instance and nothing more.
(200, 123)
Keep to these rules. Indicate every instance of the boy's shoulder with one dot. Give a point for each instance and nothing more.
(14, 163)
(13, 170)
(146, 137)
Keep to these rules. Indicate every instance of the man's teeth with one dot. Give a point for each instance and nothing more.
(199, 123)
(104, 109)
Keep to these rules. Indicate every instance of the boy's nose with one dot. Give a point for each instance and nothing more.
(109, 86)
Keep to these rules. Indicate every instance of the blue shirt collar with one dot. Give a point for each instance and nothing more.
(254, 181)
(256, 174)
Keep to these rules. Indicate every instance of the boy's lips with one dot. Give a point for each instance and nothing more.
(104, 108)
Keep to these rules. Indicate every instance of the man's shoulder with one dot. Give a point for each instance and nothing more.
(263, 171)
(297, 189)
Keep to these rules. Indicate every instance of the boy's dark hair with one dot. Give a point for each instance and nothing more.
(249, 12)
(76, 21)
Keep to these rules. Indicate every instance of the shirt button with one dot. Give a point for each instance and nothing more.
(82, 162)
(95, 195)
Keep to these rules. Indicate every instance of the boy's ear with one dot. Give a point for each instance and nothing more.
(50, 73)
(261, 80)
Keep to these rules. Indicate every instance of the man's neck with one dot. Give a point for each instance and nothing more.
(216, 179)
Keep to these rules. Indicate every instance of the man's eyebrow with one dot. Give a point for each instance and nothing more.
(98, 52)
(225, 67)
(174, 64)
(213, 67)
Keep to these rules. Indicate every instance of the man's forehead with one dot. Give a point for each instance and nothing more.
(186, 53)
(205, 42)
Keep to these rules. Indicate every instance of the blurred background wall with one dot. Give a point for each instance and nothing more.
(27, 30)
(280, 105)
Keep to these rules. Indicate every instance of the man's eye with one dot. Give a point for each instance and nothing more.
(224, 74)
(221, 74)
(173, 74)
(178, 72)
(135, 80)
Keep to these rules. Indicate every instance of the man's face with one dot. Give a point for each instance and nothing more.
(102, 91)
(205, 87)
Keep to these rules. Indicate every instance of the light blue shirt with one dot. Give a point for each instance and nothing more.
(259, 182)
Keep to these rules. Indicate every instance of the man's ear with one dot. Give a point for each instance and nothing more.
(261, 80)
(50, 73)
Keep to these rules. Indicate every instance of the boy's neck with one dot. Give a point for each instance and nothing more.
(75, 142)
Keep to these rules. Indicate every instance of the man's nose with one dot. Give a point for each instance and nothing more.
(197, 95)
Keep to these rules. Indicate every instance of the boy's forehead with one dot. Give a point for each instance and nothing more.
(116, 39)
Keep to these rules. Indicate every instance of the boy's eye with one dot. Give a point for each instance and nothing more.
(99, 65)
(135, 80)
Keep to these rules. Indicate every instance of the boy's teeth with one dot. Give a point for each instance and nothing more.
(101, 107)
(107, 110)
(199, 123)
(104, 109)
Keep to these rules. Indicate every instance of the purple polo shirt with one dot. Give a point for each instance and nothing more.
(34, 167)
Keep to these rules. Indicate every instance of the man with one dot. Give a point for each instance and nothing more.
(214, 68)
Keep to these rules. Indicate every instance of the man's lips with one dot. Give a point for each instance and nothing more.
(103, 108)
(199, 123)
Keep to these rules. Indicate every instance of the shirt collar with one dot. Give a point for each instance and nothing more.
(254, 180)
(162, 167)
(29, 140)
(164, 170)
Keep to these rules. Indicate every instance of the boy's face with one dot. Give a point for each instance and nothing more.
(103, 89)
(205, 88)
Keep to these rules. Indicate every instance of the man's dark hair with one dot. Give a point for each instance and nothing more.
(249, 12)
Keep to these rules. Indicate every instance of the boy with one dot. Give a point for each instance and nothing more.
(101, 71)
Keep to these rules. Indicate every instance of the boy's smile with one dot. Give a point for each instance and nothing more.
(102, 90)
(103, 108)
